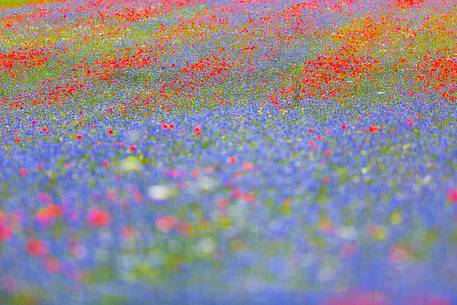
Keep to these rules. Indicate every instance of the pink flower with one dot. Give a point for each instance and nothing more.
(44, 197)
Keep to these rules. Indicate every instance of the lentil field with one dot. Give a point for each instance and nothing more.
(252, 152)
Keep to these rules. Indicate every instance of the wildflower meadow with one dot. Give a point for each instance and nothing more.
(252, 152)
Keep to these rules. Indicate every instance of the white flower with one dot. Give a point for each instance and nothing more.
(206, 245)
(161, 192)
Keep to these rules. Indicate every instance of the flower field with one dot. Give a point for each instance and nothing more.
(228, 152)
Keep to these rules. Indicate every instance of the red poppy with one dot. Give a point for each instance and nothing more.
(98, 218)
(248, 166)
(231, 160)
(166, 223)
(358, 298)
(128, 232)
(452, 195)
(23, 172)
(36, 247)
(348, 250)
(197, 131)
(48, 213)
(429, 300)
(222, 203)
(5, 232)
(374, 129)
(52, 264)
